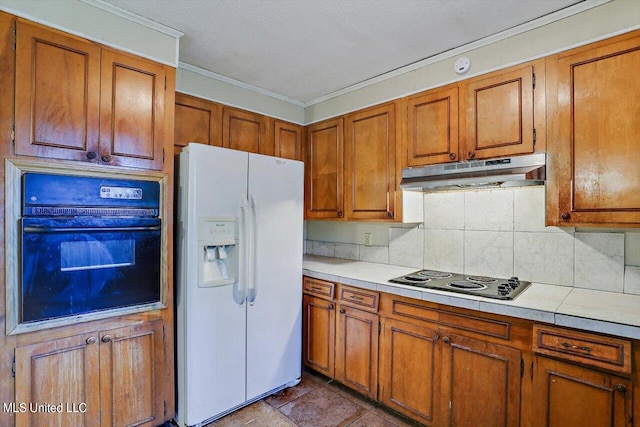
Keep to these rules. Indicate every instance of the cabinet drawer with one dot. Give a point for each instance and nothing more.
(605, 352)
(319, 288)
(360, 298)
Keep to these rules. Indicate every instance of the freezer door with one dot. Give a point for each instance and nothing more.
(211, 321)
(275, 291)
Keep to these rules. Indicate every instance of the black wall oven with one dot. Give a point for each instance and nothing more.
(87, 244)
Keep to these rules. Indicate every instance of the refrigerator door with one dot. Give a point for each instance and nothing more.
(275, 291)
(211, 320)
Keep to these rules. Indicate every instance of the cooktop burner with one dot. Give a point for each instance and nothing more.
(488, 287)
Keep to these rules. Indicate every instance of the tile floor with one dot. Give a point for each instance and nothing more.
(316, 402)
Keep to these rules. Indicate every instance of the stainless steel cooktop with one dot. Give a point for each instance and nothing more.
(488, 287)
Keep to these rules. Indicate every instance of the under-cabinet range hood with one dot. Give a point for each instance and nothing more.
(513, 171)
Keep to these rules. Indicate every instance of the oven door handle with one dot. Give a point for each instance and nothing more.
(32, 229)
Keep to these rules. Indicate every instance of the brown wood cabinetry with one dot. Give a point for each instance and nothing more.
(247, 131)
(572, 396)
(78, 101)
(324, 170)
(118, 374)
(318, 330)
(196, 120)
(288, 140)
(499, 113)
(594, 113)
(432, 127)
(370, 163)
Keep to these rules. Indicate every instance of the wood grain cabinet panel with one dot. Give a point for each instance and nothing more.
(324, 170)
(480, 383)
(319, 329)
(571, 396)
(246, 131)
(57, 94)
(356, 363)
(595, 178)
(499, 114)
(196, 120)
(63, 371)
(370, 163)
(132, 111)
(409, 373)
(432, 127)
(288, 140)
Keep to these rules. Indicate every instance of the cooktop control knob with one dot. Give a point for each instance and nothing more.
(514, 282)
(503, 289)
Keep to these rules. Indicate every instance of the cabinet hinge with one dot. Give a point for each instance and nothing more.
(164, 402)
(13, 367)
(15, 37)
(535, 136)
(521, 368)
(532, 371)
(163, 332)
(378, 390)
(13, 133)
(534, 80)
(165, 83)
(163, 155)
(379, 327)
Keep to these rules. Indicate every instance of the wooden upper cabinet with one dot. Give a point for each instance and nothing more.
(432, 127)
(78, 101)
(594, 161)
(197, 120)
(324, 170)
(246, 131)
(132, 111)
(499, 114)
(370, 163)
(288, 140)
(57, 94)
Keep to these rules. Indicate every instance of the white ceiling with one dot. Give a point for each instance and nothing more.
(307, 49)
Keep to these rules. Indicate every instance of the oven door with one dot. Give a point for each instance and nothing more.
(72, 266)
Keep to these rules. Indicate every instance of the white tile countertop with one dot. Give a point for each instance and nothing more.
(596, 311)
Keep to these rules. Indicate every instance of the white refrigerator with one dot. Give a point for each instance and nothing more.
(238, 290)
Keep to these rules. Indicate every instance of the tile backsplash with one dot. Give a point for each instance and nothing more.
(493, 232)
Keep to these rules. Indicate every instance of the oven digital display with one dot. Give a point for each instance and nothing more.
(121, 193)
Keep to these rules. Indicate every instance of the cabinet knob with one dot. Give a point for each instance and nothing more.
(472, 155)
(390, 214)
(342, 311)
(446, 340)
(436, 337)
(91, 340)
(91, 155)
(621, 388)
(340, 214)
(452, 156)
(106, 338)
(565, 215)
(330, 306)
(106, 158)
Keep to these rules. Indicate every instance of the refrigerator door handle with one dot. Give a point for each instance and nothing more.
(253, 289)
(244, 252)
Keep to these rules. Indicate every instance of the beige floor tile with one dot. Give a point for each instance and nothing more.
(322, 408)
(245, 416)
(371, 420)
(290, 394)
(397, 419)
(351, 395)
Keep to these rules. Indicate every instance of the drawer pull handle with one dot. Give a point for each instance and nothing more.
(316, 288)
(575, 347)
(355, 297)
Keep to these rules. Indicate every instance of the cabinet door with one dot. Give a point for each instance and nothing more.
(480, 383)
(571, 396)
(499, 114)
(131, 369)
(57, 94)
(132, 111)
(370, 163)
(64, 371)
(596, 155)
(197, 120)
(319, 328)
(323, 170)
(246, 131)
(432, 127)
(409, 370)
(357, 350)
(288, 140)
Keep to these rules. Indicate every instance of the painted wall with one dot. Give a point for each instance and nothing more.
(497, 233)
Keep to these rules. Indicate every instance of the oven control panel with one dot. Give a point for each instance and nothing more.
(121, 193)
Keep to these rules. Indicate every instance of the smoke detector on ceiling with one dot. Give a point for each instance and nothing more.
(462, 65)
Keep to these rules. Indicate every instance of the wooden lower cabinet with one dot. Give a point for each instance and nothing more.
(109, 378)
(568, 395)
(356, 358)
(319, 328)
(480, 383)
(409, 370)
